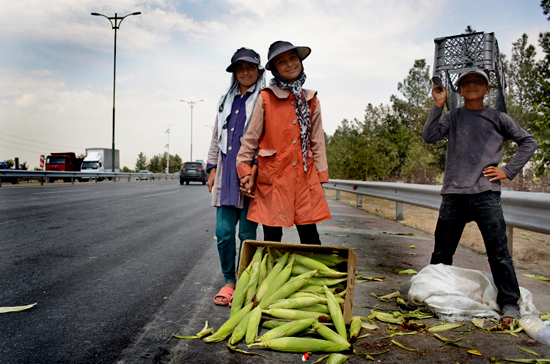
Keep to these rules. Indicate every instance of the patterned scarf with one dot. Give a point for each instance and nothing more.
(301, 107)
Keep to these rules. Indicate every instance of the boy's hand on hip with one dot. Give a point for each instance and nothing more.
(494, 172)
(439, 93)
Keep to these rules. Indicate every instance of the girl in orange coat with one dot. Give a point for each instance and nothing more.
(286, 135)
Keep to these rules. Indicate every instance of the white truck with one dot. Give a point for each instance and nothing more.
(99, 160)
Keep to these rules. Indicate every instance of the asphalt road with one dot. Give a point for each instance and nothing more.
(98, 259)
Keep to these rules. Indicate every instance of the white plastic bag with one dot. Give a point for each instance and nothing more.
(536, 328)
(453, 291)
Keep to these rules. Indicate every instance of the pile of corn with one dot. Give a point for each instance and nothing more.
(300, 293)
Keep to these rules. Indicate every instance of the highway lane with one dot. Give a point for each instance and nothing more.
(99, 259)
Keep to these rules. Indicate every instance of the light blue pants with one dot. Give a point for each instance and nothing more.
(227, 218)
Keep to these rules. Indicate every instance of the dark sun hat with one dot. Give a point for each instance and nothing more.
(280, 47)
(244, 54)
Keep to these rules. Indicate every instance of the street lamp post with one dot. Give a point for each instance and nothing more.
(191, 105)
(115, 25)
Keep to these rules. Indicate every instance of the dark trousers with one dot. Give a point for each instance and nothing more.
(483, 208)
(308, 233)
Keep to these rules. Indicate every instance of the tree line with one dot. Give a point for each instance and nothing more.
(387, 144)
(156, 164)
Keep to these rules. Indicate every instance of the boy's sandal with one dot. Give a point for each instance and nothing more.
(226, 292)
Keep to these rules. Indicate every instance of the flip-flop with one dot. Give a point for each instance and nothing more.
(226, 292)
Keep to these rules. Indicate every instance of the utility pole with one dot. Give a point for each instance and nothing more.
(191, 105)
(168, 151)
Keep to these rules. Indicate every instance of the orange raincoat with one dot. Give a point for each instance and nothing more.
(285, 194)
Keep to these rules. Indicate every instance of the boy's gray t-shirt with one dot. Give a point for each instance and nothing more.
(475, 141)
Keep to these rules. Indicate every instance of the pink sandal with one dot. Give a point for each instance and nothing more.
(226, 292)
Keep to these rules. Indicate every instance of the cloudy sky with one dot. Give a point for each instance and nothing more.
(56, 63)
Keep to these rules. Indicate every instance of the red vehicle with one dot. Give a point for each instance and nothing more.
(67, 162)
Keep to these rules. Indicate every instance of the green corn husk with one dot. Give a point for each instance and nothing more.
(336, 313)
(316, 265)
(253, 325)
(278, 282)
(329, 334)
(310, 288)
(263, 269)
(271, 324)
(297, 302)
(300, 345)
(444, 327)
(287, 314)
(270, 260)
(229, 325)
(318, 307)
(320, 281)
(298, 269)
(257, 257)
(240, 330)
(355, 328)
(240, 293)
(386, 317)
(337, 358)
(264, 286)
(330, 260)
(287, 289)
(287, 329)
(252, 283)
(300, 293)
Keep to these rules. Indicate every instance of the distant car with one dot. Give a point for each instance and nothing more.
(145, 175)
(193, 171)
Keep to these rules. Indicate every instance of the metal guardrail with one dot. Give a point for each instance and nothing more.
(524, 210)
(44, 176)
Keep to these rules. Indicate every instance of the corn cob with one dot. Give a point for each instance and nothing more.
(240, 330)
(278, 282)
(295, 302)
(271, 277)
(319, 281)
(240, 292)
(355, 328)
(300, 345)
(298, 269)
(271, 324)
(337, 358)
(300, 293)
(252, 283)
(288, 314)
(257, 257)
(318, 307)
(329, 334)
(270, 260)
(253, 324)
(287, 329)
(336, 313)
(330, 260)
(314, 264)
(287, 289)
(263, 269)
(229, 325)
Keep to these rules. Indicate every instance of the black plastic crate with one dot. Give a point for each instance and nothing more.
(458, 54)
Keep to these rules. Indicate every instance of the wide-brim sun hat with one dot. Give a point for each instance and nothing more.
(244, 54)
(474, 72)
(280, 47)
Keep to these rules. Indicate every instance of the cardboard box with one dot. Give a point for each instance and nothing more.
(249, 248)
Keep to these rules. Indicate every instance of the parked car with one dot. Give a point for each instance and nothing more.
(145, 175)
(193, 171)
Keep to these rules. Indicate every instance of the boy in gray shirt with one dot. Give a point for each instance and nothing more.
(471, 186)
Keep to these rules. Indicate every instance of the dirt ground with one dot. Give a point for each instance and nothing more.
(531, 250)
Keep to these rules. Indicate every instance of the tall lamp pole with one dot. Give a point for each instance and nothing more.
(115, 25)
(191, 105)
